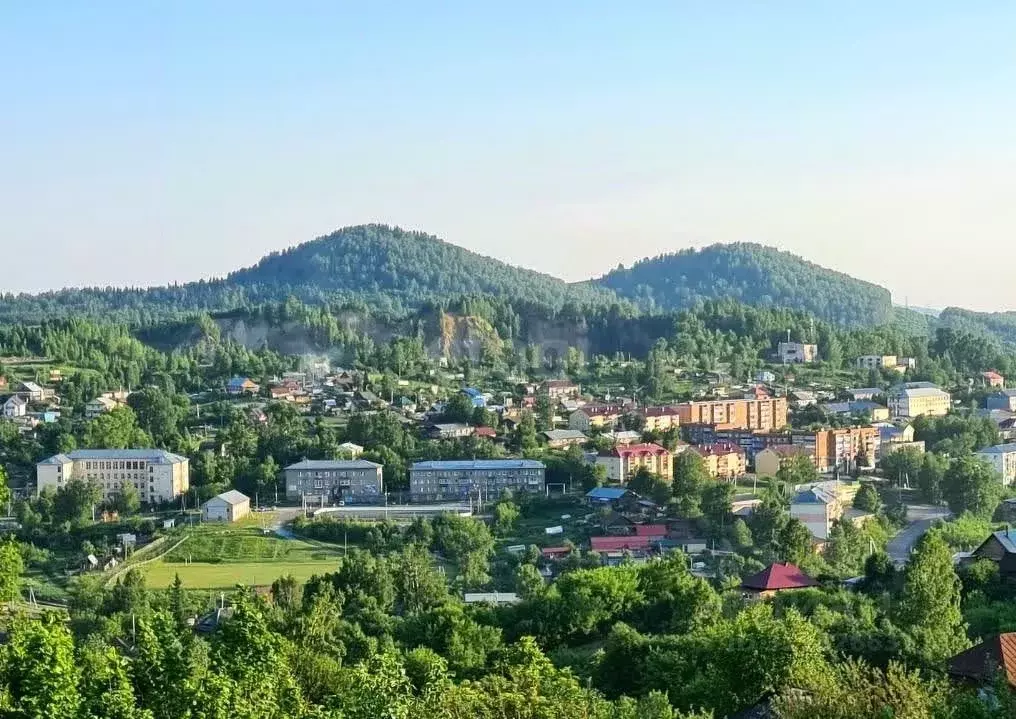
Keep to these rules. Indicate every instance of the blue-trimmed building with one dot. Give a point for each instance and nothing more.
(447, 480)
(475, 396)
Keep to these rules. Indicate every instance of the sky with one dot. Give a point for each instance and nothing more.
(150, 142)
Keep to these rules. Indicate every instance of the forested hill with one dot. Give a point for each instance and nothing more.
(999, 324)
(377, 260)
(390, 269)
(753, 274)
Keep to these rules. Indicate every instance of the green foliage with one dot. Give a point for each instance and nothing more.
(971, 485)
(929, 604)
(690, 479)
(755, 275)
(11, 567)
(867, 499)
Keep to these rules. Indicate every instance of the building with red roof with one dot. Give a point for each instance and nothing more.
(660, 419)
(723, 460)
(621, 544)
(623, 461)
(993, 379)
(981, 663)
(777, 577)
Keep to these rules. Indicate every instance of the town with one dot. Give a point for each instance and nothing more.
(797, 475)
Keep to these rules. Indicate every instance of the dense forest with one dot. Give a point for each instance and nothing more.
(753, 274)
(998, 324)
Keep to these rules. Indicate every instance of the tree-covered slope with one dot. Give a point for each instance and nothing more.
(378, 260)
(998, 324)
(753, 274)
(386, 267)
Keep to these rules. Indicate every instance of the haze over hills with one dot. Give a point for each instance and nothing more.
(396, 270)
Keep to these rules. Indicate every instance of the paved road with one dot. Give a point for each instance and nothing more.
(920, 518)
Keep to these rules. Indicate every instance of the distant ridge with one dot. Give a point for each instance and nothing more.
(753, 274)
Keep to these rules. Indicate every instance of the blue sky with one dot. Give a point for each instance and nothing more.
(145, 143)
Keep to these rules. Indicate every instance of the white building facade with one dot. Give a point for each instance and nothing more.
(157, 475)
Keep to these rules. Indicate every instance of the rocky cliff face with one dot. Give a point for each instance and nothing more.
(452, 336)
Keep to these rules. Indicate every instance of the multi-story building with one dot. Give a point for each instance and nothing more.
(749, 441)
(817, 509)
(660, 419)
(560, 388)
(877, 412)
(595, 415)
(623, 461)
(156, 474)
(763, 415)
(914, 399)
(436, 481)
(1003, 399)
(1002, 458)
(897, 364)
(334, 480)
(770, 460)
(796, 352)
(722, 460)
(840, 448)
(242, 385)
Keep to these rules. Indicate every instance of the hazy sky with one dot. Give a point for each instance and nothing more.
(146, 142)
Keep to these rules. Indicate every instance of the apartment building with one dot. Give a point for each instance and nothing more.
(796, 352)
(914, 399)
(722, 460)
(1004, 399)
(623, 461)
(660, 419)
(876, 362)
(840, 448)
(817, 510)
(334, 480)
(156, 474)
(770, 460)
(1002, 458)
(560, 388)
(763, 415)
(456, 480)
(592, 416)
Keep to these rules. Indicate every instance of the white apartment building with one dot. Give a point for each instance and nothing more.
(156, 474)
(1002, 458)
(917, 398)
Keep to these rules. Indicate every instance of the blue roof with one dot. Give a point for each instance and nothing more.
(999, 449)
(479, 464)
(472, 391)
(607, 493)
(810, 496)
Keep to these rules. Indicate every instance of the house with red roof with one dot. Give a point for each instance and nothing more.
(775, 578)
(651, 530)
(979, 665)
(993, 379)
(623, 461)
(621, 544)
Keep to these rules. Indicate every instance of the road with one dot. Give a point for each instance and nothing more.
(920, 517)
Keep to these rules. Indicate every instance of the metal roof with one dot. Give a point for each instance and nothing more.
(333, 464)
(231, 497)
(155, 456)
(607, 493)
(479, 464)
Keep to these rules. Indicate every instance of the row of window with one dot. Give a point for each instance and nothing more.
(329, 474)
(117, 464)
(480, 474)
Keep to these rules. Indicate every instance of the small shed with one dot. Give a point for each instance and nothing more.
(226, 507)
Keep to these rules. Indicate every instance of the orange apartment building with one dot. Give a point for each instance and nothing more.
(763, 415)
(622, 462)
(832, 447)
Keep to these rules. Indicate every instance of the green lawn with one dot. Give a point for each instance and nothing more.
(220, 557)
(226, 575)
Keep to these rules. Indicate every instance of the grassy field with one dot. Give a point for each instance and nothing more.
(204, 575)
(218, 557)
